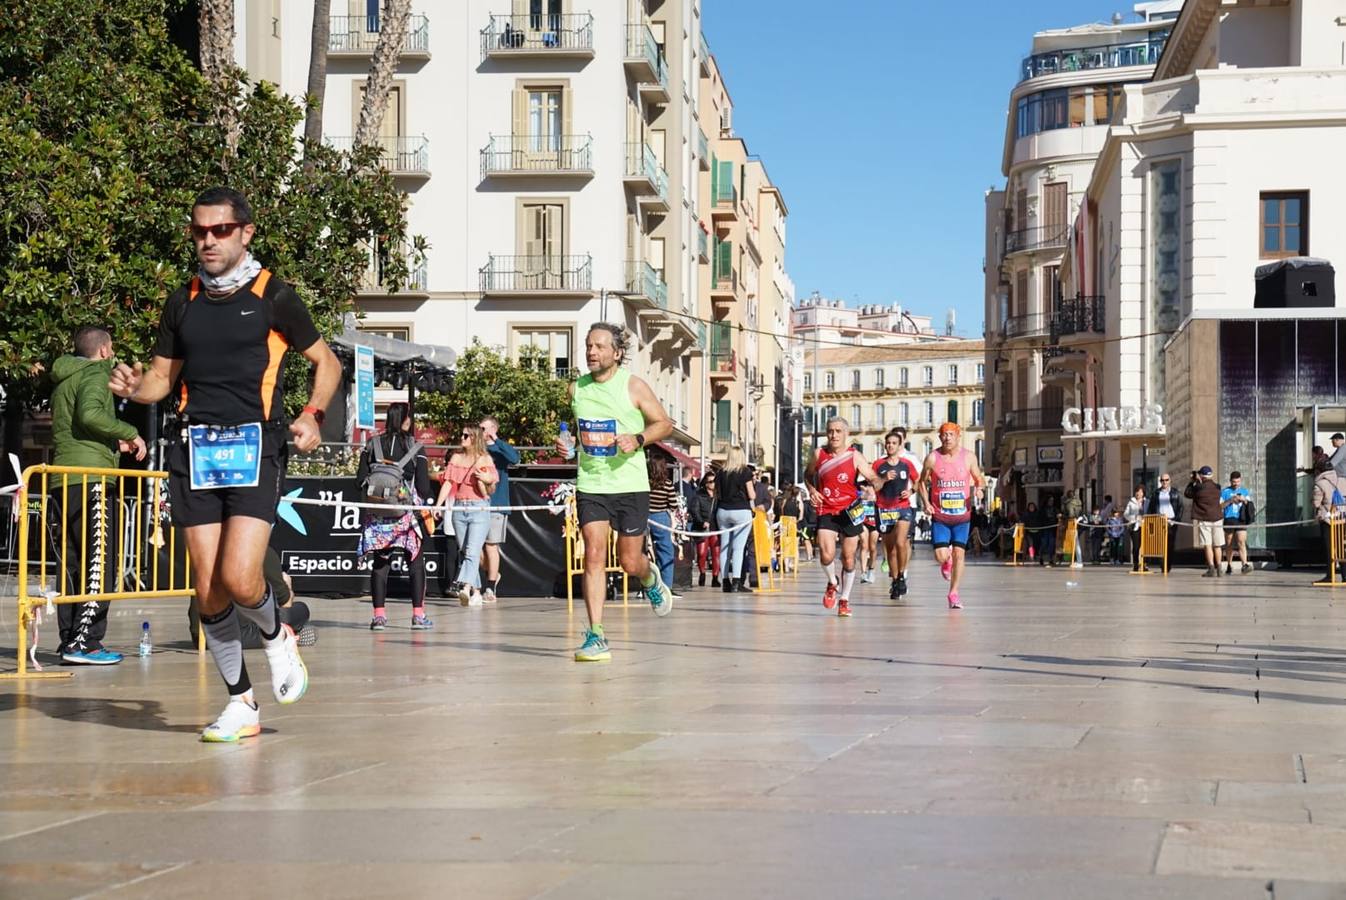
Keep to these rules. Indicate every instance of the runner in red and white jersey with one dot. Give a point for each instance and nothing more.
(948, 485)
(831, 479)
(898, 475)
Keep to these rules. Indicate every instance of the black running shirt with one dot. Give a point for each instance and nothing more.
(233, 348)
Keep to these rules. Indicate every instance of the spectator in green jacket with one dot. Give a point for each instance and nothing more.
(87, 433)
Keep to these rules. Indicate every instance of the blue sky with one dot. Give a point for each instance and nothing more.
(884, 131)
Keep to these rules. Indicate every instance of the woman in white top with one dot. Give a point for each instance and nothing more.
(1135, 509)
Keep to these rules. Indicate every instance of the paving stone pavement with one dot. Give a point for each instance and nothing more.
(1125, 737)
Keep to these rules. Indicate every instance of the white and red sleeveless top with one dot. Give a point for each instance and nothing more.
(951, 488)
(836, 480)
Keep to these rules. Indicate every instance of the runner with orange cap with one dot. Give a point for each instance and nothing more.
(948, 482)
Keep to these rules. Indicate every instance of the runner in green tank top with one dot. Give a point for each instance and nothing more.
(616, 414)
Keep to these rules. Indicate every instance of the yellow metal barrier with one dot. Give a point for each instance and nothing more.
(575, 558)
(1336, 539)
(113, 555)
(1068, 541)
(762, 546)
(1153, 542)
(1018, 534)
(789, 547)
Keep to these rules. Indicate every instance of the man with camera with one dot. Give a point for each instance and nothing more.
(1207, 516)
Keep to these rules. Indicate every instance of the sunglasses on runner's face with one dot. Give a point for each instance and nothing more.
(220, 231)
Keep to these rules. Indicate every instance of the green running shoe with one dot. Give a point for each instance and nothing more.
(594, 648)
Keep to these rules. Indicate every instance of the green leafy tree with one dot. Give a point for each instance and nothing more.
(107, 133)
(527, 398)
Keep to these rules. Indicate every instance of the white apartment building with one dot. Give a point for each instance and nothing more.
(1070, 85)
(829, 320)
(917, 386)
(1230, 158)
(557, 159)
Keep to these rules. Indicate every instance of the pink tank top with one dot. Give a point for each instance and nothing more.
(952, 488)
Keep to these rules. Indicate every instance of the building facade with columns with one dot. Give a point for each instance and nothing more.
(1226, 161)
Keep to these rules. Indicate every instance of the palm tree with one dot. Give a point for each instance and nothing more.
(317, 73)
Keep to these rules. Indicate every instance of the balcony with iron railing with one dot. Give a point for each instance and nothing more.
(1080, 315)
(374, 282)
(723, 275)
(644, 282)
(644, 174)
(1082, 59)
(723, 363)
(1038, 237)
(702, 246)
(1032, 420)
(402, 155)
(539, 35)
(350, 36)
(526, 275)
(646, 63)
(703, 50)
(1028, 325)
(533, 155)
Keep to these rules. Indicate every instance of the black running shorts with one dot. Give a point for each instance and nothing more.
(628, 514)
(841, 524)
(211, 507)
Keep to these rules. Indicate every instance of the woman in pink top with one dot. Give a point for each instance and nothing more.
(468, 480)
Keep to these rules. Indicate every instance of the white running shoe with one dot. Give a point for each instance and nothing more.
(474, 599)
(289, 675)
(464, 594)
(240, 719)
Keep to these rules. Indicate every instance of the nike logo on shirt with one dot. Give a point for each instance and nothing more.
(248, 312)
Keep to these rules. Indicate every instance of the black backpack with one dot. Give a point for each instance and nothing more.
(387, 477)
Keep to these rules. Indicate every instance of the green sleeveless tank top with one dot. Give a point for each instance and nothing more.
(604, 410)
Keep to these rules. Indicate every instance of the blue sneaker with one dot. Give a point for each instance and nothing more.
(594, 649)
(421, 623)
(96, 657)
(660, 597)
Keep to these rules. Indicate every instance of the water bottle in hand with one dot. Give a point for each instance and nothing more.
(146, 643)
(567, 440)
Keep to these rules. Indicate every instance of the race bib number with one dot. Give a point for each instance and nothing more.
(598, 437)
(224, 457)
(889, 518)
(953, 504)
(856, 513)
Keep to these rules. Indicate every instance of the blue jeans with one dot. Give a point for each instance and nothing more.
(471, 522)
(734, 544)
(664, 552)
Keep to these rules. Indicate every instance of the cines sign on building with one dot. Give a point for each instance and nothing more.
(1113, 421)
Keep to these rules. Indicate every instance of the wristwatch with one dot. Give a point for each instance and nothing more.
(318, 415)
(640, 440)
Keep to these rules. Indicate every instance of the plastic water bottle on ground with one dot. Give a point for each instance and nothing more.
(146, 642)
(568, 440)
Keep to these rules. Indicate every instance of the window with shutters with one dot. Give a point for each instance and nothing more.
(879, 416)
(928, 376)
(855, 423)
(981, 373)
(878, 377)
(928, 416)
(541, 245)
(541, 124)
(1020, 301)
(1051, 289)
(808, 381)
(1055, 200)
(904, 413)
(978, 411)
(855, 379)
(953, 373)
(952, 412)
(831, 381)
(554, 343)
(902, 377)
(1021, 384)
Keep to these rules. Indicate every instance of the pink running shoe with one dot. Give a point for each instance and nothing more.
(946, 568)
(954, 602)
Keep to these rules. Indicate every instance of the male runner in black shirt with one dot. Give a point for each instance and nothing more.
(222, 341)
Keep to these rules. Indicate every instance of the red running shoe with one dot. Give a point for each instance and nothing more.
(844, 609)
(830, 596)
(946, 568)
(954, 602)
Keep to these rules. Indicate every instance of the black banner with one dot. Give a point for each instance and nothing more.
(317, 544)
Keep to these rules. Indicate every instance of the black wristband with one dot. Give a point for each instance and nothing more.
(640, 440)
